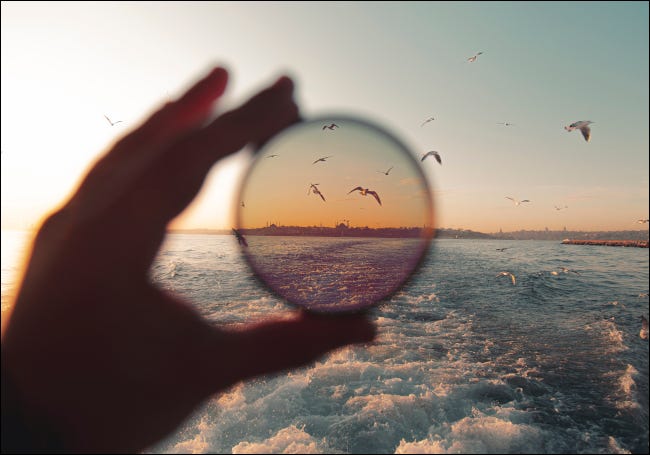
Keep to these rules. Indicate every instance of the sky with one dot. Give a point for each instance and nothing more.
(543, 66)
(352, 174)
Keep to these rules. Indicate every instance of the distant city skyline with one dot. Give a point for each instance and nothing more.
(498, 122)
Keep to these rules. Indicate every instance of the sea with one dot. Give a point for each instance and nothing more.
(465, 361)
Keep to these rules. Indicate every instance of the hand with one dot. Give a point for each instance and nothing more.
(100, 358)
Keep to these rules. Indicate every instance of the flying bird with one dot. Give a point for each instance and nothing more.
(386, 173)
(474, 57)
(505, 124)
(272, 156)
(242, 204)
(313, 188)
(111, 122)
(512, 277)
(330, 126)
(430, 119)
(321, 159)
(583, 126)
(240, 237)
(565, 270)
(502, 249)
(560, 208)
(644, 328)
(516, 201)
(433, 153)
(365, 192)
(642, 221)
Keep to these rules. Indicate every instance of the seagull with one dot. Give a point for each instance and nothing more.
(583, 126)
(272, 156)
(565, 270)
(386, 173)
(644, 328)
(474, 57)
(111, 122)
(512, 277)
(240, 237)
(321, 159)
(433, 153)
(560, 208)
(365, 192)
(642, 221)
(505, 124)
(242, 204)
(516, 201)
(427, 121)
(330, 126)
(313, 188)
(502, 249)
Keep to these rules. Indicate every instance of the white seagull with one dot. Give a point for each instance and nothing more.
(643, 333)
(321, 159)
(314, 189)
(512, 277)
(433, 153)
(642, 221)
(365, 192)
(516, 201)
(474, 57)
(583, 126)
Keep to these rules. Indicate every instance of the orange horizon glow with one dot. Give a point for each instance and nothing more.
(278, 187)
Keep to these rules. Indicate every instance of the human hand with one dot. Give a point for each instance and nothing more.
(100, 359)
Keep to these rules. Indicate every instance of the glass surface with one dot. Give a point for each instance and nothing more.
(334, 214)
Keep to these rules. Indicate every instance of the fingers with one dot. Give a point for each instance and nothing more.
(116, 173)
(170, 185)
(275, 346)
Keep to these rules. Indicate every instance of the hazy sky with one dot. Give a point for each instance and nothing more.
(544, 66)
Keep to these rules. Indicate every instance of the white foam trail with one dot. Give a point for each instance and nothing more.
(477, 434)
(287, 440)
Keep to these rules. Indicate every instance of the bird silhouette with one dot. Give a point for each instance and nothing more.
(387, 172)
(313, 188)
(430, 119)
(330, 126)
(505, 124)
(434, 154)
(365, 192)
(321, 159)
(516, 202)
(111, 122)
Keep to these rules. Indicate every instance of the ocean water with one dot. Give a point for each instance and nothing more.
(464, 361)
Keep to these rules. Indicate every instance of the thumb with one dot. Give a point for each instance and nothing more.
(273, 346)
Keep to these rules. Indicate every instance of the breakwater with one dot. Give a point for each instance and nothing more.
(627, 243)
